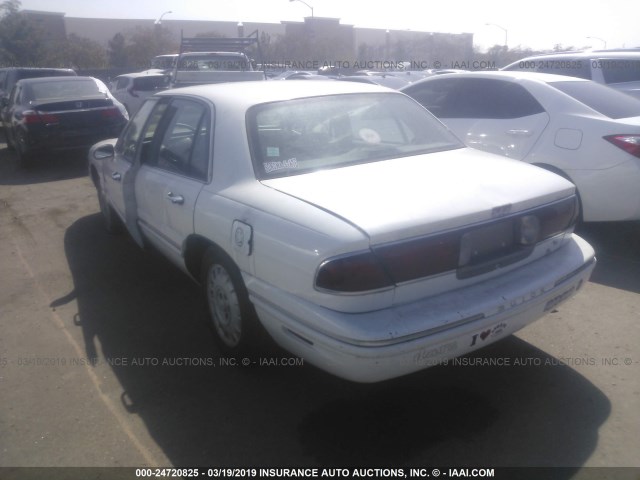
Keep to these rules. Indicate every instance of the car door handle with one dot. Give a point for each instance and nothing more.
(519, 132)
(175, 199)
(116, 176)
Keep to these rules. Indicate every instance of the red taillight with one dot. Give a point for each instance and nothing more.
(31, 117)
(354, 273)
(110, 112)
(629, 143)
(420, 257)
(558, 217)
(470, 251)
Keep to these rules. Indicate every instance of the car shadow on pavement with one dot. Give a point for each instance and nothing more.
(54, 167)
(200, 409)
(617, 246)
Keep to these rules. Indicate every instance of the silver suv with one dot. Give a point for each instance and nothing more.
(619, 69)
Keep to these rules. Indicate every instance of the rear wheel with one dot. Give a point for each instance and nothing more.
(25, 158)
(7, 140)
(231, 315)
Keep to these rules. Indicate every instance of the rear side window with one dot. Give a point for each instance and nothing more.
(182, 143)
(122, 82)
(475, 98)
(618, 70)
(602, 99)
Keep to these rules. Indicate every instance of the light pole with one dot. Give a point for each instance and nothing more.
(604, 42)
(503, 29)
(159, 20)
(305, 3)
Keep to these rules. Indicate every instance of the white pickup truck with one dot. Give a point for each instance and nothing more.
(204, 60)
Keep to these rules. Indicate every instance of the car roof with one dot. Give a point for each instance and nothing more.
(509, 75)
(633, 53)
(140, 74)
(246, 94)
(231, 54)
(39, 69)
(57, 79)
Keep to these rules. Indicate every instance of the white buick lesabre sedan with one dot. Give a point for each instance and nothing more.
(343, 219)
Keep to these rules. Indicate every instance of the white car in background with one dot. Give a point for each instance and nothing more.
(344, 220)
(616, 68)
(132, 89)
(584, 131)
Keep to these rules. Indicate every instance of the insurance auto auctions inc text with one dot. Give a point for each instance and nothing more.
(374, 473)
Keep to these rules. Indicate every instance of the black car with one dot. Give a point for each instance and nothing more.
(60, 113)
(10, 75)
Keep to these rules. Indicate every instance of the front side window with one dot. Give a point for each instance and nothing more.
(298, 136)
(128, 143)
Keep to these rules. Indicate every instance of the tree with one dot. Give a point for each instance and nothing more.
(144, 43)
(118, 51)
(20, 40)
(82, 53)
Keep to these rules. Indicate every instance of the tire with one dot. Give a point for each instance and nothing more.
(9, 143)
(231, 315)
(25, 159)
(112, 222)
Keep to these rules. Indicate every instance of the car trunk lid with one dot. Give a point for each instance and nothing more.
(425, 194)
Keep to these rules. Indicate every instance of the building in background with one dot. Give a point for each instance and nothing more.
(319, 39)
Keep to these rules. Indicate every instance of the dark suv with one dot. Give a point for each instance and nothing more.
(619, 69)
(9, 76)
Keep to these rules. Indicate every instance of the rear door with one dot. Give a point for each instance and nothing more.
(493, 115)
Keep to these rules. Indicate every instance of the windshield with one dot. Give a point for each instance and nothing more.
(164, 62)
(303, 135)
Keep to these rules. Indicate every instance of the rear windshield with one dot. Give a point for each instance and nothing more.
(602, 99)
(210, 62)
(615, 70)
(44, 73)
(149, 84)
(63, 90)
(298, 136)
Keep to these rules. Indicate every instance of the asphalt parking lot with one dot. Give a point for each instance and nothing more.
(105, 360)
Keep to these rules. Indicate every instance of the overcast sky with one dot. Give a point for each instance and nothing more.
(537, 24)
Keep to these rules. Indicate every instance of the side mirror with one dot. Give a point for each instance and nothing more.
(103, 152)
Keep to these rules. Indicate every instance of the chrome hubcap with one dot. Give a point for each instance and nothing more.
(224, 306)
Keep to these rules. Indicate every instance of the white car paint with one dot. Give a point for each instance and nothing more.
(567, 136)
(281, 231)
